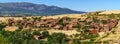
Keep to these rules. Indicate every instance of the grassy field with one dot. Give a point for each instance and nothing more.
(111, 12)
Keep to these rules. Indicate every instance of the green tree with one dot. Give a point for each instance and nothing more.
(58, 38)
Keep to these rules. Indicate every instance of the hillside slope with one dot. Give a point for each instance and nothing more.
(110, 12)
(33, 9)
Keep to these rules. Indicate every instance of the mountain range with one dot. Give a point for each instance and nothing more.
(25, 8)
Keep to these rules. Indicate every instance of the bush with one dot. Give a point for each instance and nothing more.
(36, 33)
(2, 40)
(61, 22)
(104, 22)
(16, 37)
(57, 38)
(45, 33)
(1, 26)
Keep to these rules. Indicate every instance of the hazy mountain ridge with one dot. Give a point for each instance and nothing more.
(33, 9)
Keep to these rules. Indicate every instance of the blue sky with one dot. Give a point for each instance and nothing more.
(79, 5)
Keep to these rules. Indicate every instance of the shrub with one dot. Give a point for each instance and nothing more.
(104, 22)
(1, 26)
(45, 33)
(36, 33)
(58, 38)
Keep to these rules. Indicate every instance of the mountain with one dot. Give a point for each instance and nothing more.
(24, 8)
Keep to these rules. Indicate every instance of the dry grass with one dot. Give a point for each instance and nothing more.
(66, 15)
(4, 18)
(11, 28)
(44, 17)
(111, 11)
